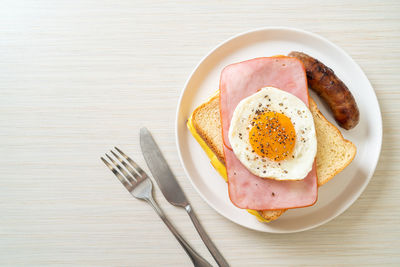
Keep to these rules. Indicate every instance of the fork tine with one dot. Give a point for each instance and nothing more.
(127, 176)
(132, 171)
(119, 176)
(139, 170)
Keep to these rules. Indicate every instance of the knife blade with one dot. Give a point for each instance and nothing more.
(161, 172)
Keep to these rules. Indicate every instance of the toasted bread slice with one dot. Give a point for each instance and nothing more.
(206, 120)
(334, 152)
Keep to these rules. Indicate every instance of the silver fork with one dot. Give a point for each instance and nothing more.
(138, 183)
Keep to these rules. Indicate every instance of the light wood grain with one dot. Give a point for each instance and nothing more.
(78, 77)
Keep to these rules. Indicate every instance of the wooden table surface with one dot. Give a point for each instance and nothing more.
(78, 77)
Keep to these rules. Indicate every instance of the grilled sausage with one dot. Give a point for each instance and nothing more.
(335, 93)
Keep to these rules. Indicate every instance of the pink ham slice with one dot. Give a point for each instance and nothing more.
(238, 81)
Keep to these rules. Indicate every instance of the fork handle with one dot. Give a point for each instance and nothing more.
(206, 239)
(197, 260)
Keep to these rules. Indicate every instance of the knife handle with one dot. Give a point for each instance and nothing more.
(197, 260)
(206, 239)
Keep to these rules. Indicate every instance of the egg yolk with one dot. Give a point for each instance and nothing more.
(272, 135)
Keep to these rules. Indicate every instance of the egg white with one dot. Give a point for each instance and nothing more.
(296, 166)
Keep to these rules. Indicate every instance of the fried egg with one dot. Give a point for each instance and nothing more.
(272, 133)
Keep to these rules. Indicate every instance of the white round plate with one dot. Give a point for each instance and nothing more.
(339, 193)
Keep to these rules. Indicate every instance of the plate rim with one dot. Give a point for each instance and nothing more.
(323, 39)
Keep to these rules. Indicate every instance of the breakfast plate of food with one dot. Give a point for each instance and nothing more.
(279, 130)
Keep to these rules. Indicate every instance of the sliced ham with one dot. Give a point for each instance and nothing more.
(239, 81)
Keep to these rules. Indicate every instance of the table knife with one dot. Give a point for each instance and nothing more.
(171, 190)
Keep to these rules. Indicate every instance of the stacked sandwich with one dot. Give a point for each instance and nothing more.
(267, 138)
